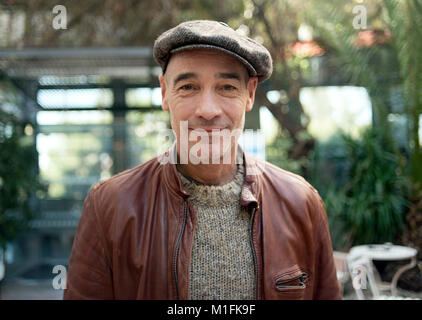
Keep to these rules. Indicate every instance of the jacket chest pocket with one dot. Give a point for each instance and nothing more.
(292, 283)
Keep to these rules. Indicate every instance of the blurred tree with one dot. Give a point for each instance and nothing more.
(376, 189)
(364, 56)
(364, 187)
(404, 20)
(109, 23)
(276, 24)
(18, 180)
(383, 55)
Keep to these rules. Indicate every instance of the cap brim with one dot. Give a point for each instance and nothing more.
(251, 70)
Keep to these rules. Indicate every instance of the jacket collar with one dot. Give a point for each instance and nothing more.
(249, 193)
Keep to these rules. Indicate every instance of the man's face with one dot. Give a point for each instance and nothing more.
(211, 91)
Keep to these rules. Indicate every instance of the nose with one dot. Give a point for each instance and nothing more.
(208, 107)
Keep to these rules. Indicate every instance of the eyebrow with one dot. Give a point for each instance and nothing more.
(184, 76)
(224, 75)
(221, 75)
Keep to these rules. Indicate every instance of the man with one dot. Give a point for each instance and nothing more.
(204, 220)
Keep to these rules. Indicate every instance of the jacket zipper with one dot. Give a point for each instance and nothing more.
(302, 278)
(176, 250)
(254, 254)
(179, 238)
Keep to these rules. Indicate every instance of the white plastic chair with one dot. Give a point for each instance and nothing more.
(364, 275)
(361, 271)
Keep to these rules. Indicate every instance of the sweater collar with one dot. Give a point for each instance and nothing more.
(206, 195)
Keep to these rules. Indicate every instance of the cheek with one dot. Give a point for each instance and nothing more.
(182, 109)
(241, 120)
(236, 111)
(176, 116)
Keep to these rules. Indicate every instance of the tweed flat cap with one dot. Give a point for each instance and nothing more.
(206, 34)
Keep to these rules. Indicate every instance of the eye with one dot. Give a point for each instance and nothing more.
(229, 87)
(186, 87)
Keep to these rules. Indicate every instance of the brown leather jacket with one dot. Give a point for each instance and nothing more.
(135, 235)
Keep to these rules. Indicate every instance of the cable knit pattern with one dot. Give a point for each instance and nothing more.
(222, 264)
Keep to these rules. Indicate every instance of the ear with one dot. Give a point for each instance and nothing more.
(163, 85)
(251, 87)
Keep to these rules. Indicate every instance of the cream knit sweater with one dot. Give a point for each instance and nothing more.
(222, 263)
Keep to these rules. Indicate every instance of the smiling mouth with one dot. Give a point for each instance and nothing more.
(210, 130)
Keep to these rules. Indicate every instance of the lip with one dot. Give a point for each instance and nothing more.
(208, 129)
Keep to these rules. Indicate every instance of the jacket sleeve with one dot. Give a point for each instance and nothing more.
(327, 286)
(89, 274)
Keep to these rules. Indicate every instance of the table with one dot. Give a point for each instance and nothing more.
(388, 252)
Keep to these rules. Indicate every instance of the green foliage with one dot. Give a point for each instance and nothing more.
(375, 193)
(17, 178)
(367, 201)
(369, 66)
(404, 20)
(328, 176)
(341, 235)
(376, 189)
(392, 57)
(277, 154)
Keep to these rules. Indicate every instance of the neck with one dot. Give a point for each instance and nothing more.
(213, 174)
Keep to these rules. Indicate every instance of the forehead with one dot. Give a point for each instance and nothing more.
(202, 61)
